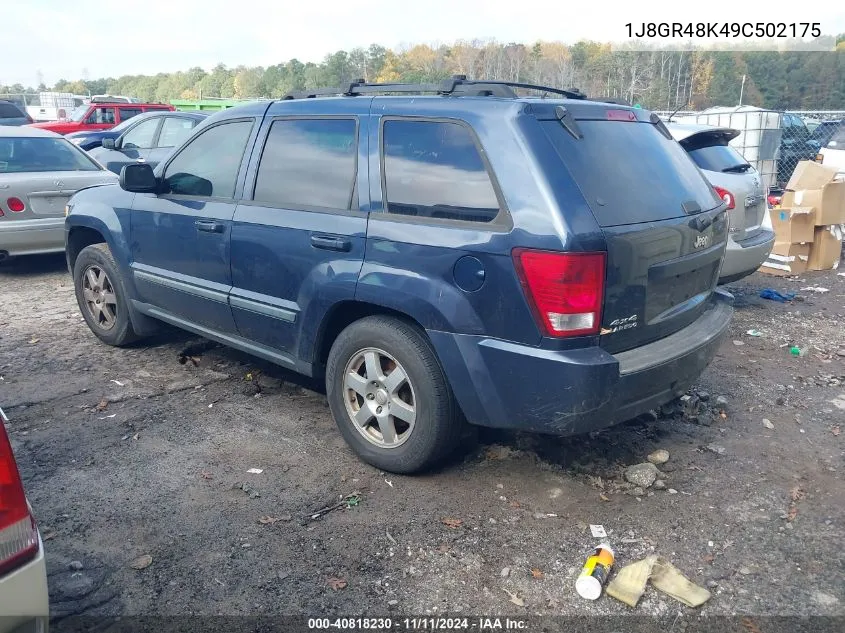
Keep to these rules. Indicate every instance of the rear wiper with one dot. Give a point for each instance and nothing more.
(737, 169)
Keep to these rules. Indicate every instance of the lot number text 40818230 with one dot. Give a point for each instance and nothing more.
(724, 29)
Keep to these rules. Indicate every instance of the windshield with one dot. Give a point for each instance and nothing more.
(22, 154)
(78, 113)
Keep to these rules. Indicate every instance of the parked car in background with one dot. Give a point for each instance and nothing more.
(794, 147)
(148, 138)
(740, 186)
(824, 133)
(10, 114)
(39, 172)
(24, 604)
(474, 256)
(90, 139)
(99, 116)
(833, 153)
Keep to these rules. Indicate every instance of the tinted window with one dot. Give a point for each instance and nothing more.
(42, 154)
(433, 169)
(208, 165)
(128, 113)
(102, 116)
(630, 172)
(308, 163)
(719, 158)
(8, 111)
(141, 136)
(174, 130)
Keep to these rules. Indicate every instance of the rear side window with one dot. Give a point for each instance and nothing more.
(433, 169)
(308, 163)
(9, 111)
(208, 165)
(128, 113)
(720, 158)
(630, 172)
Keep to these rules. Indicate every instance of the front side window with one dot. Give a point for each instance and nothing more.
(433, 169)
(141, 136)
(174, 130)
(308, 163)
(208, 165)
(101, 116)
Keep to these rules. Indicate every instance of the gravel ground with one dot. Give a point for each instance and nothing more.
(129, 452)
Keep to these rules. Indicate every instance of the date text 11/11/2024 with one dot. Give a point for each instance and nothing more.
(716, 30)
(419, 624)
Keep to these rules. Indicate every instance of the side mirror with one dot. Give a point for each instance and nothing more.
(138, 178)
(109, 143)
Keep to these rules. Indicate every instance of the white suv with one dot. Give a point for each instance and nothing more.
(24, 606)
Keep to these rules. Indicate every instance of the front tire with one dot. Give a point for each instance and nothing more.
(390, 397)
(101, 296)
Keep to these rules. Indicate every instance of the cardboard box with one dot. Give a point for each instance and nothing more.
(810, 175)
(828, 201)
(787, 259)
(826, 249)
(793, 226)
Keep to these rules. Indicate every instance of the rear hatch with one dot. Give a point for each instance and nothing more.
(736, 180)
(664, 226)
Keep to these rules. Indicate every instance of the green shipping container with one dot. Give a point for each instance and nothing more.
(206, 105)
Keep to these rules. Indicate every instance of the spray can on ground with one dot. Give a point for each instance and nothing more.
(595, 573)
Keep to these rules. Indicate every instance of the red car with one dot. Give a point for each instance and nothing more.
(100, 116)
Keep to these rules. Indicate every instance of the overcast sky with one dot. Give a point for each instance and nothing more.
(69, 39)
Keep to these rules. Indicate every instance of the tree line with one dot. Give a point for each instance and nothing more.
(656, 79)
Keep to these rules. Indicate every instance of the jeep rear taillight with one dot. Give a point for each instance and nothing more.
(18, 535)
(565, 290)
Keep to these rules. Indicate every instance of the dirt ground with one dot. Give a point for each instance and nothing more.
(128, 452)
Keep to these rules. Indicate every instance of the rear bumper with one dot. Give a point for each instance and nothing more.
(32, 237)
(506, 385)
(24, 604)
(743, 258)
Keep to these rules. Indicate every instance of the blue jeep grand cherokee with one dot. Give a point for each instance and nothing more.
(468, 256)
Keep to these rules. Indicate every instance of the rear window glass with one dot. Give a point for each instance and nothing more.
(8, 111)
(42, 154)
(630, 172)
(719, 158)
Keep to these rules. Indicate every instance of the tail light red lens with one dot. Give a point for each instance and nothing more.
(726, 196)
(565, 290)
(18, 535)
(15, 205)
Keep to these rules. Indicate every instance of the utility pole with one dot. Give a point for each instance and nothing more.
(741, 89)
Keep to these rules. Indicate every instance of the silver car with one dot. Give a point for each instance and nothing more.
(39, 172)
(24, 605)
(740, 186)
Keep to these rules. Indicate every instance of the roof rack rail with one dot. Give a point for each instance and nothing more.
(456, 86)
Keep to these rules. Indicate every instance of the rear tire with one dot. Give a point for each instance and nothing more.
(390, 397)
(101, 296)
